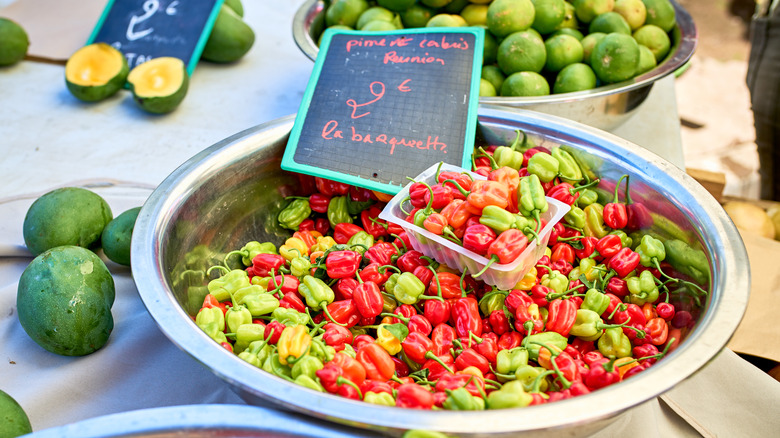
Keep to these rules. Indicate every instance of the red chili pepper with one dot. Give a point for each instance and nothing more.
(263, 264)
(658, 330)
(328, 376)
(376, 361)
(416, 345)
(291, 300)
(561, 316)
(368, 299)
(617, 286)
(645, 350)
(539, 294)
(665, 310)
(375, 386)
(424, 273)
(336, 336)
(634, 371)
(464, 180)
(371, 272)
(465, 312)
(381, 253)
(515, 299)
(417, 192)
(562, 251)
(345, 288)
(587, 246)
(498, 322)
(625, 261)
(442, 336)
(409, 260)
(469, 357)
(405, 311)
(360, 340)
(452, 381)
(343, 312)
(563, 362)
(436, 367)
(419, 323)
(437, 311)
(322, 225)
(509, 340)
(211, 301)
(528, 319)
(306, 225)
(401, 368)
(343, 231)
(449, 283)
(442, 195)
(562, 266)
(435, 223)
(342, 264)
(477, 238)
(563, 192)
(615, 213)
(601, 373)
(413, 396)
(318, 202)
(374, 226)
(330, 187)
(508, 246)
(609, 245)
(273, 331)
(402, 240)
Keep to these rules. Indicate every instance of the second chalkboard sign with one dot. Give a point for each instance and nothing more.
(146, 29)
(384, 106)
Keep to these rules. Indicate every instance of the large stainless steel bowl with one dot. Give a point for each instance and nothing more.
(605, 107)
(229, 194)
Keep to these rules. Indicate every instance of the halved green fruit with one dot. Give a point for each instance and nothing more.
(13, 420)
(159, 85)
(230, 38)
(13, 42)
(95, 72)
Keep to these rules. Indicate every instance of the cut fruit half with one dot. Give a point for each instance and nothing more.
(159, 85)
(95, 72)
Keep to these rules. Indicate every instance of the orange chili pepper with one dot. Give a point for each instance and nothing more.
(658, 329)
(511, 179)
(622, 365)
(376, 361)
(306, 237)
(648, 309)
(486, 192)
(456, 213)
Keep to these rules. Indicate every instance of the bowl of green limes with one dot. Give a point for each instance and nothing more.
(590, 61)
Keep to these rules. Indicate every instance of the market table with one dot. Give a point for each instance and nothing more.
(50, 140)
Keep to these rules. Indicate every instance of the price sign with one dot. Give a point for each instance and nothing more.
(146, 29)
(384, 106)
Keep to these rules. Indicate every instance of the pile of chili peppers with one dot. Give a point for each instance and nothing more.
(347, 306)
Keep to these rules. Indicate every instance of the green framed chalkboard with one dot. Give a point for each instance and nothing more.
(146, 29)
(384, 106)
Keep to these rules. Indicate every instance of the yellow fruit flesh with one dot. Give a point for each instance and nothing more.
(93, 65)
(158, 77)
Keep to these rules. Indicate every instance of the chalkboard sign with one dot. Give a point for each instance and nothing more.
(384, 106)
(146, 29)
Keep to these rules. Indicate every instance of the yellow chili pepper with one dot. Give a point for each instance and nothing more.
(323, 243)
(528, 281)
(292, 248)
(293, 343)
(386, 340)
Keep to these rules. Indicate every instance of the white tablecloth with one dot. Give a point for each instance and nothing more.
(48, 139)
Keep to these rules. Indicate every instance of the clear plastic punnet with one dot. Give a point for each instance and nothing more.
(503, 276)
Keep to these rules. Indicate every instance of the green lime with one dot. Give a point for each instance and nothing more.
(66, 216)
(525, 83)
(116, 236)
(64, 301)
(345, 12)
(588, 43)
(416, 16)
(335, 26)
(615, 58)
(379, 26)
(489, 48)
(568, 31)
(455, 6)
(13, 420)
(509, 16)
(435, 3)
(522, 51)
(396, 5)
(661, 13)
(475, 15)
(562, 50)
(587, 10)
(569, 17)
(446, 20)
(646, 60)
(609, 22)
(493, 74)
(548, 15)
(486, 88)
(574, 77)
(13, 42)
(655, 39)
(378, 13)
(634, 11)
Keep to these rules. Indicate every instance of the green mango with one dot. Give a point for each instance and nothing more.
(13, 42)
(13, 420)
(230, 38)
(236, 6)
(96, 72)
(159, 85)
(116, 236)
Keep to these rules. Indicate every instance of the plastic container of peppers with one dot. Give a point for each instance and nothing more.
(503, 276)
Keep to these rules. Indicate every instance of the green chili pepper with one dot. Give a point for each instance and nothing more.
(511, 395)
(532, 201)
(642, 289)
(531, 343)
(261, 304)
(493, 302)
(555, 281)
(308, 382)
(512, 155)
(588, 325)
(246, 334)
(508, 361)
(337, 211)
(461, 400)
(587, 197)
(236, 316)
(544, 166)
(625, 239)
(252, 289)
(527, 225)
(223, 287)
(361, 241)
(596, 301)
(321, 351)
(613, 343)
(257, 353)
(390, 284)
(497, 218)
(528, 375)
(355, 207)
(289, 317)
(306, 366)
(575, 217)
(300, 266)
(408, 288)
(275, 367)
(568, 169)
(689, 261)
(296, 212)
(212, 321)
(316, 292)
(379, 398)
(594, 221)
(649, 249)
(251, 249)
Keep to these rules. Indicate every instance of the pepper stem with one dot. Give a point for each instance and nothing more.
(433, 357)
(617, 187)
